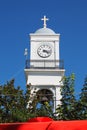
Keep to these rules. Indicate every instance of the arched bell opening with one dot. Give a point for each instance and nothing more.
(45, 95)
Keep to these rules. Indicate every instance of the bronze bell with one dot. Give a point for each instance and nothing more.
(44, 99)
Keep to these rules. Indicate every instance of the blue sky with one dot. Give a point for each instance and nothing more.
(19, 18)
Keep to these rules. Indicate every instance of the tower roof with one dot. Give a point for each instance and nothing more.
(45, 31)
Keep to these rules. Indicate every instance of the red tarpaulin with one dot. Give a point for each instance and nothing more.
(40, 119)
(45, 123)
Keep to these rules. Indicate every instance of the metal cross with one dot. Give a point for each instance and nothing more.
(45, 19)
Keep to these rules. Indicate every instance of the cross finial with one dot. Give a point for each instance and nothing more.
(45, 19)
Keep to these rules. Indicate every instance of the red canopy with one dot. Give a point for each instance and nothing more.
(40, 119)
(45, 123)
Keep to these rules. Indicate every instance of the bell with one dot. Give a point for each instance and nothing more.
(44, 99)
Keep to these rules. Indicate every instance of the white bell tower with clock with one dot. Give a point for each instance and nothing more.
(44, 70)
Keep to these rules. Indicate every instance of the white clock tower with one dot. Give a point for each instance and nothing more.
(44, 70)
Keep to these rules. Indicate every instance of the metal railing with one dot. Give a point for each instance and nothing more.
(44, 64)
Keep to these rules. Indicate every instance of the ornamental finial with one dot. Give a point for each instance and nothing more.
(45, 19)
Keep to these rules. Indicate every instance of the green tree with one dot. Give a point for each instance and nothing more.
(83, 101)
(13, 103)
(66, 110)
(19, 106)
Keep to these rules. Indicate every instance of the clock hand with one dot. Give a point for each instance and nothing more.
(46, 51)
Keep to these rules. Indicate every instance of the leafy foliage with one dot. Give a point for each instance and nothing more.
(13, 102)
(70, 108)
(66, 110)
(83, 101)
(17, 106)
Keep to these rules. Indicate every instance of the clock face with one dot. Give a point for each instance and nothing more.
(44, 51)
